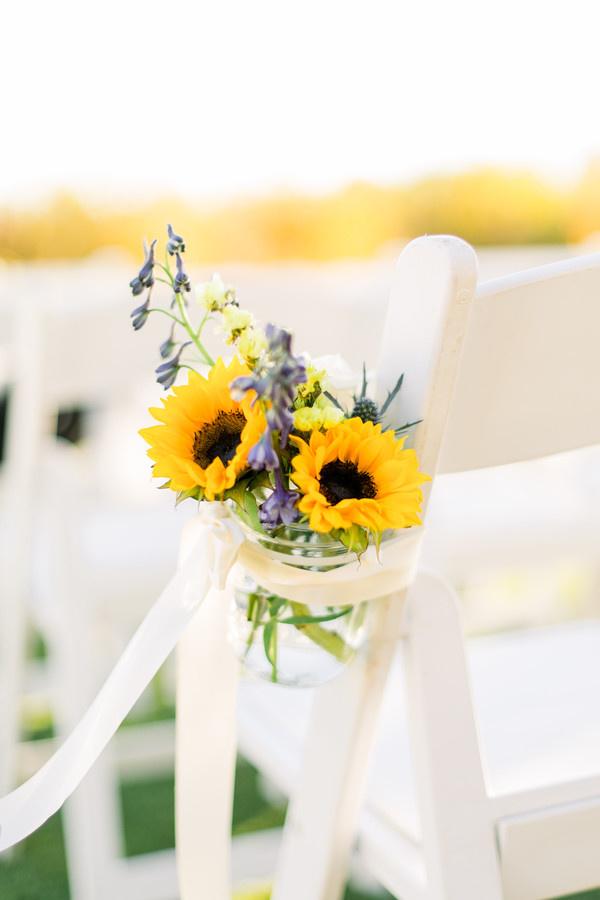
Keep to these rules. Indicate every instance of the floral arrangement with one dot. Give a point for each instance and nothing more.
(265, 431)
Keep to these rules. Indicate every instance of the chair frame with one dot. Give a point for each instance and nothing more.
(472, 843)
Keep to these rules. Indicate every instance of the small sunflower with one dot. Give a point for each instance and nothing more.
(357, 474)
(205, 435)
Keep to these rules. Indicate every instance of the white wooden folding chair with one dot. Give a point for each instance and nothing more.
(22, 434)
(72, 347)
(485, 765)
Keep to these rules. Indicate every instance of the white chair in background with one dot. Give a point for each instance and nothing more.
(485, 769)
(11, 632)
(73, 347)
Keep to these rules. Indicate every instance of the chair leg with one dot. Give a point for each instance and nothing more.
(92, 827)
(13, 654)
(456, 819)
(12, 659)
(92, 818)
(321, 821)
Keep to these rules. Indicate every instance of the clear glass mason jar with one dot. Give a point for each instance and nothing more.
(286, 642)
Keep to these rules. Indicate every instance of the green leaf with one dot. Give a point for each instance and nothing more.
(196, 493)
(268, 632)
(377, 536)
(275, 604)
(251, 508)
(391, 396)
(363, 390)
(270, 645)
(355, 538)
(310, 620)
(258, 480)
(251, 604)
(335, 402)
(407, 426)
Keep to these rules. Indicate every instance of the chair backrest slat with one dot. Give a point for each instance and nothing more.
(528, 380)
(424, 329)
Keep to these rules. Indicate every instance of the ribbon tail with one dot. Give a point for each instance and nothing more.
(206, 738)
(30, 805)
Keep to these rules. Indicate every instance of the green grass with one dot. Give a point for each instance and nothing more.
(36, 868)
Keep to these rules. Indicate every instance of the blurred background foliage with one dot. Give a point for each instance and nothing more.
(485, 206)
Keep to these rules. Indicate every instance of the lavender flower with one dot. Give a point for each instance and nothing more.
(175, 244)
(140, 314)
(240, 387)
(274, 382)
(145, 277)
(182, 282)
(263, 455)
(280, 507)
(280, 340)
(287, 373)
(167, 371)
(168, 345)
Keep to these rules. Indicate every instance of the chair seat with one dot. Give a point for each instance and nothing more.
(536, 700)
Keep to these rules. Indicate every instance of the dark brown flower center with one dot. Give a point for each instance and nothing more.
(342, 480)
(219, 438)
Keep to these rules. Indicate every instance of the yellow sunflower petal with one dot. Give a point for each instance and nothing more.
(185, 412)
(387, 478)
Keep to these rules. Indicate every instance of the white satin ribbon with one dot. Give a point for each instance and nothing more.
(376, 574)
(210, 545)
(207, 680)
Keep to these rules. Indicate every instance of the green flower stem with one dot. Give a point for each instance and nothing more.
(327, 640)
(165, 312)
(190, 330)
(274, 653)
(166, 268)
(254, 615)
(205, 319)
(184, 321)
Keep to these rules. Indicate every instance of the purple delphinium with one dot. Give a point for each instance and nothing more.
(167, 371)
(263, 455)
(168, 345)
(289, 372)
(140, 314)
(181, 281)
(275, 382)
(280, 507)
(176, 243)
(142, 281)
(145, 277)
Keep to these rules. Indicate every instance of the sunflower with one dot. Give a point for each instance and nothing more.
(205, 435)
(357, 474)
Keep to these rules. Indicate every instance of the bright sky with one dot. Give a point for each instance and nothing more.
(118, 97)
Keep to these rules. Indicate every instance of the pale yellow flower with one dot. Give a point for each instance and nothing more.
(314, 377)
(322, 415)
(214, 295)
(252, 343)
(235, 322)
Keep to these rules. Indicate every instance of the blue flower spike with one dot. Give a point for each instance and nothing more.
(176, 243)
(145, 277)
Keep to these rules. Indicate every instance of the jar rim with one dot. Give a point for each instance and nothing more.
(300, 546)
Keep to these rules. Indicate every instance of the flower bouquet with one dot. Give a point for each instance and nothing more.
(314, 481)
